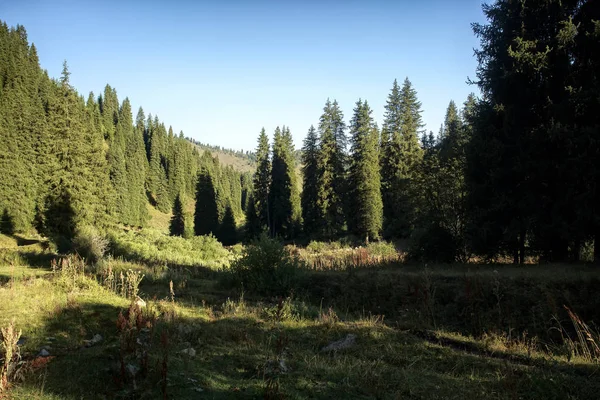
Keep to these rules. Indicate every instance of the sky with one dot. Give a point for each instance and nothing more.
(221, 70)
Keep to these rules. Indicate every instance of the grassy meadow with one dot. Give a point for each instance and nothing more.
(187, 318)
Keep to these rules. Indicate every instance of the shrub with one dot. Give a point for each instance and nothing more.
(90, 244)
(382, 249)
(152, 246)
(435, 244)
(266, 267)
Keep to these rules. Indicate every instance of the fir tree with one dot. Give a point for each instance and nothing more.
(401, 158)
(177, 225)
(332, 169)
(284, 197)
(366, 208)
(227, 231)
(310, 188)
(262, 180)
(206, 215)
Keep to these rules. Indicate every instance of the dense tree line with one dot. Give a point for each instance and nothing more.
(511, 174)
(68, 162)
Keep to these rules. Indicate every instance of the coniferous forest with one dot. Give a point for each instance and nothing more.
(510, 173)
(375, 260)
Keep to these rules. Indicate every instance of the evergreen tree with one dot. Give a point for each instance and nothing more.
(310, 188)
(401, 158)
(284, 197)
(206, 215)
(366, 208)
(332, 162)
(227, 232)
(177, 225)
(253, 226)
(262, 180)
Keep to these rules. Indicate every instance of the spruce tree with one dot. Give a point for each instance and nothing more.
(332, 162)
(284, 200)
(262, 180)
(366, 208)
(206, 215)
(177, 225)
(310, 188)
(401, 158)
(227, 231)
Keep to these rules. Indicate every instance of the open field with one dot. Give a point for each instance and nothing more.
(437, 332)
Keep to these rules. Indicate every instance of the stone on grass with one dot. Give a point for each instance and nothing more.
(190, 352)
(44, 353)
(347, 342)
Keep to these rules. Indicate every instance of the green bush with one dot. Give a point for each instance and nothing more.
(266, 267)
(153, 246)
(90, 244)
(382, 249)
(435, 244)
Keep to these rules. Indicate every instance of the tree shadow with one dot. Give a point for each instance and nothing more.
(235, 358)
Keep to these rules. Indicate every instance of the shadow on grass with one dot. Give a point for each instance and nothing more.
(235, 357)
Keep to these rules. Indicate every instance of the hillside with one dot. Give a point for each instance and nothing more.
(242, 162)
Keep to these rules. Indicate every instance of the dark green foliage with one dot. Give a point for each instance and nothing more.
(310, 184)
(7, 225)
(366, 209)
(206, 215)
(332, 165)
(401, 157)
(227, 232)
(530, 173)
(284, 197)
(50, 138)
(59, 221)
(177, 225)
(444, 211)
(262, 180)
(266, 267)
(433, 243)
(253, 225)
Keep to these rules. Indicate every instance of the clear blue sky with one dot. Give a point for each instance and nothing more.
(221, 70)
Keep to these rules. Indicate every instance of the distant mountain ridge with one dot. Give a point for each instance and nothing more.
(242, 161)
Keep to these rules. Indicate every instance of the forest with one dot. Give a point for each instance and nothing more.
(373, 262)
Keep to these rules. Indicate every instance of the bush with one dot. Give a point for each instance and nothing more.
(90, 244)
(266, 267)
(382, 249)
(153, 246)
(435, 244)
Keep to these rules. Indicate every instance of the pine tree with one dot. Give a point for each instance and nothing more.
(206, 215)
(310, 189)
(332, 162)
(401, 158)
(366, 208)
(284, 200)
(262, 180)
(253, 226)
(227, 232)
(177, 225)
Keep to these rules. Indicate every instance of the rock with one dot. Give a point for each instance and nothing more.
(190, 352)
(139, 302)
(199, 390)
(95, 340)
(21, 341)
(44, 353)
(132, 369)
(50, 339)
(347, 342)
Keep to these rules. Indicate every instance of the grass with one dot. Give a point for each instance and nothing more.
(151, 246)
(250, 346)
